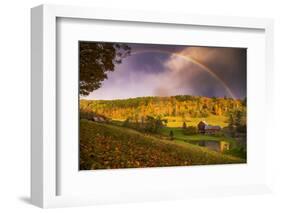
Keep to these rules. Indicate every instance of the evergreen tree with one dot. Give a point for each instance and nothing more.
(171, 135)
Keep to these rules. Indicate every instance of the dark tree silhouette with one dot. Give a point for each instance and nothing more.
(184, 125)
(95, 60)
(171, 135)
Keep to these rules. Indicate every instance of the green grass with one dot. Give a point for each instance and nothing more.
(104, 146)
(175, 124)
(179, 135)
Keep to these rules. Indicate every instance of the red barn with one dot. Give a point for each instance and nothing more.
(201, 126)
(204, 128)
(212, 129)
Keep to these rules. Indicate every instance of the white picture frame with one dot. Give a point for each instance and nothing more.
(44, 154)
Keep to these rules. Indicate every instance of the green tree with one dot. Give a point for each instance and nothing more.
(171, 135)
(191, 130)
(95, 60)
(237, 121)
(126, 123)
(152, 124)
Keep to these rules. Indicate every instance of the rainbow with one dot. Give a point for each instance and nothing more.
(194, 61)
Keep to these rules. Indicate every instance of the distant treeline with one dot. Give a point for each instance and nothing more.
(183, 106)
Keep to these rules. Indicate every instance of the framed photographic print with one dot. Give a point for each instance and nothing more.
(133, 106)
(147, 105)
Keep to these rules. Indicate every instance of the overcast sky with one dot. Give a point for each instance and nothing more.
(165, 70)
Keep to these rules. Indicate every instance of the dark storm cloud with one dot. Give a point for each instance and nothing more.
(148, 61)
(144, 58)
(230, 65)
(165, 70)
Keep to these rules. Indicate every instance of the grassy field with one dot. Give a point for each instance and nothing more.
(179, 135)
(105, 146)
(176, 121)
(212, 120)
(175, 124)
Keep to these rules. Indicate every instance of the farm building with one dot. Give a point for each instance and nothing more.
(201, 126)
(99, 118)
(212, 129)
(224, 146)
(204, 128)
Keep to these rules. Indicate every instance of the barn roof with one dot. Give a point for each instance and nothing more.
(212, 127)
(204, 122)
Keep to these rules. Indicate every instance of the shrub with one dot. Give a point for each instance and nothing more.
(237, 152)
(191, 130)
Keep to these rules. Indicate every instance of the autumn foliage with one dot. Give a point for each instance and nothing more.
(104, 146)
(180, 106)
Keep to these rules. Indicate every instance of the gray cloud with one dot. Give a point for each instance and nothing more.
(153, 73)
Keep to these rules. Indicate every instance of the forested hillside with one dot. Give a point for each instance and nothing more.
(177, 106)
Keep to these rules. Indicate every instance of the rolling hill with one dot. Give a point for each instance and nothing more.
(105, 146)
